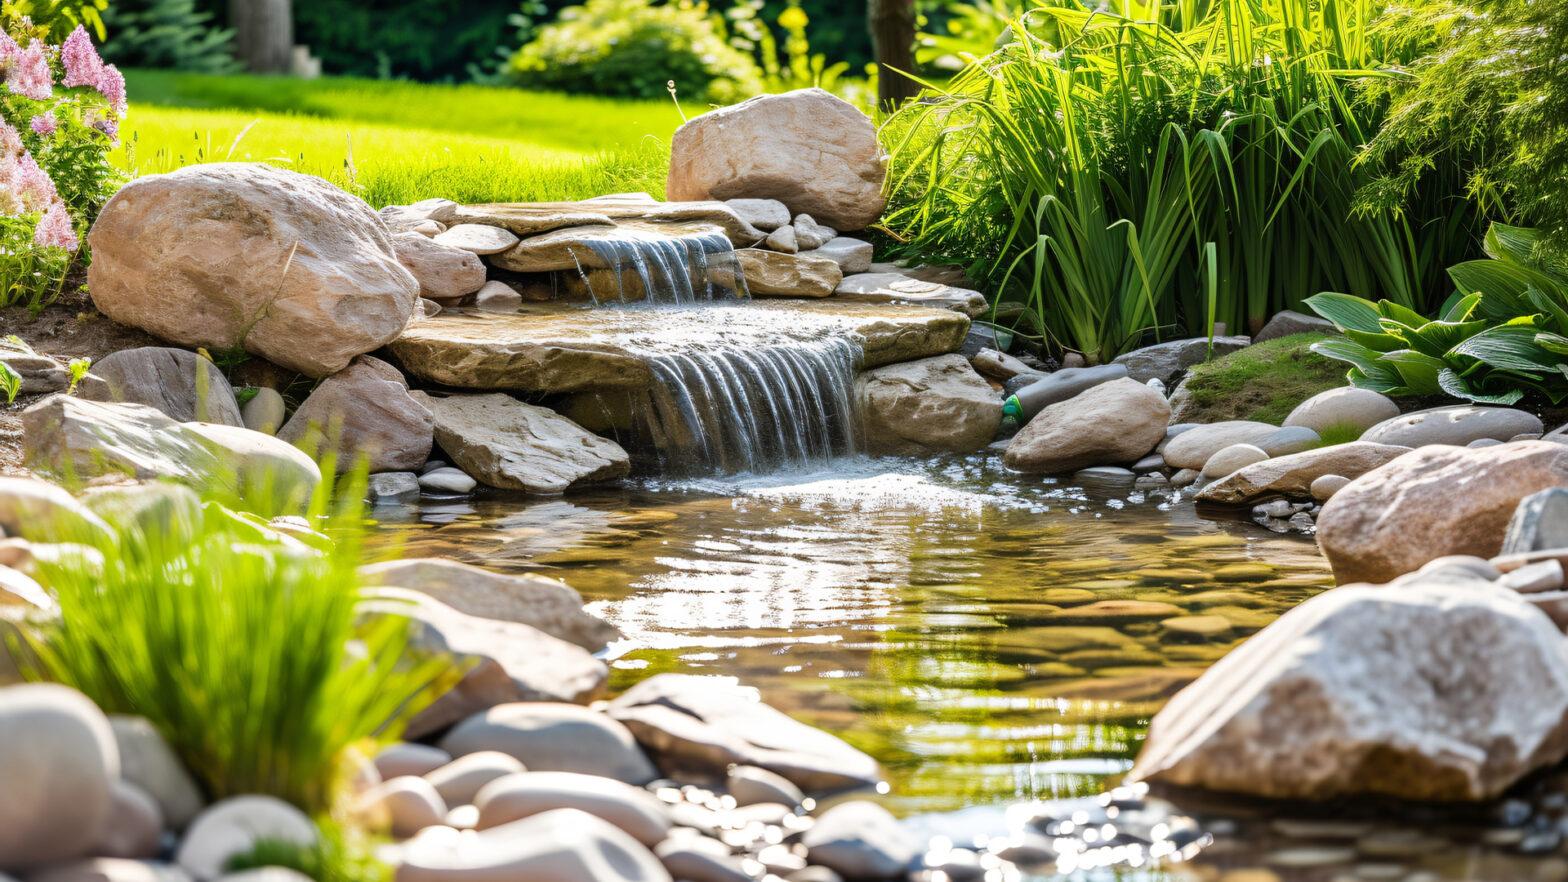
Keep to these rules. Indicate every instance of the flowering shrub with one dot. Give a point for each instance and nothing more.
(60, 112)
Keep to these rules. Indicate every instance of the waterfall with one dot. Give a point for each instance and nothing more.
(736, 389)
(670, 270)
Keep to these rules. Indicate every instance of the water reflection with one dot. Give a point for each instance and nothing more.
(989, 638)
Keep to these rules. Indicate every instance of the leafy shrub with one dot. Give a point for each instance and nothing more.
(59, 117)
(1491, 94)
(633, 48)
(168, 34)
(54, 19)
(1122, 177)
(1504, 332)
(792, 66)
(242, 645)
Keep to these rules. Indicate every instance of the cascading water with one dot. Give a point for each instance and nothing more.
(748, 396)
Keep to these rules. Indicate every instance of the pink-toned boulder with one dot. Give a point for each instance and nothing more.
(809, 149)
(365, 410)
(1431, 502)
(248, 256)
(446, 273)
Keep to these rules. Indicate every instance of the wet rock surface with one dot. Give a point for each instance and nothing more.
(932, 405)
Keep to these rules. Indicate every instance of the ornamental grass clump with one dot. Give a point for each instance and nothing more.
(243, 646)
(60, 113)
(1123, 175)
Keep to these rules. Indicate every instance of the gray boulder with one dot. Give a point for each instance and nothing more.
(147, 761)
(177, 382)
(506, 443)
(525, 794)
(565, 845)
(861, 840)
(1343, 408)
(1163, 361)
(546, 737)
(1457, 424)
(1540, 522)
(1112, 423)
(58, 762)
(1289, 322)
(364, 411)
(235, 826)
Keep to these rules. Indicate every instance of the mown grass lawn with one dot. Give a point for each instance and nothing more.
(398, 142)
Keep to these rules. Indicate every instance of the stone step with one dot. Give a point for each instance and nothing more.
(552, 348)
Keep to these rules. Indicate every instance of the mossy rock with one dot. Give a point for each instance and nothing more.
(1263, 382)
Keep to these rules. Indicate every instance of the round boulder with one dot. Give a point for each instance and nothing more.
(1458, 424)
(248, 256)
(58, 763)
(809, 149)
(932, 405)
(365, 410)
(234, 826)
(1233, 458)
(1344, 408)
(1113, 423)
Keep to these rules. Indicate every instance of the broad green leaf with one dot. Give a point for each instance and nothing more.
(1553, 343)
(1458, 387)
(1504, 287)
(1418, 370)
(1437, 338)
(1459, 306)
(1384, 342)
(1379, 377)
(1508, 347)
(1348, 350)
(1346, 312)
(10, 382)
(1401, 314)
(1511, 244)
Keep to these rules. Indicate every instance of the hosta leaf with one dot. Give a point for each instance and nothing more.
(1386, 383)
(1511, 244)
(1553, 343)
(1437, 338)
(1348, 350)
(1401, 314)
(1459, 387)
(1509, 347)
(1418, 370)
(1459, 307)
(1503, 287)
(1346, 312)
(1384, 342)
(1556, 313)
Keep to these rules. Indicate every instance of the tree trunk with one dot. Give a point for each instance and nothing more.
(263, 34)
(892, 24)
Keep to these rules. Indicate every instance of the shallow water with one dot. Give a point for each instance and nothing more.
(938, 615)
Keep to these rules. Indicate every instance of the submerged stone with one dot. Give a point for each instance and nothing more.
(564, 349)
(512, 445)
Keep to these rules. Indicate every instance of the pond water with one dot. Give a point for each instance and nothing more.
(988, 637)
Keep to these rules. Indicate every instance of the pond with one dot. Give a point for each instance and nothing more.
(987, 636)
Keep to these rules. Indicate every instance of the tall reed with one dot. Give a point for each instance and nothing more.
(1134, 173)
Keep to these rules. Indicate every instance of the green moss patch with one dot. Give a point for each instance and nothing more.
(1263, 382)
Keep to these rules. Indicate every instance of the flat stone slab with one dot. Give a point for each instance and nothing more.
(547, 348)
(900, 288)
(532, 218)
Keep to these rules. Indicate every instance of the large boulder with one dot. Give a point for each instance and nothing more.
(180, 383)
(536, 601)
(565, 845)
(1457, 424)
(502, 661)
(1447, 689)
(249, 256)
(1432, 502)
(554, 737)
(1109, 424)
(58, 763)
(933, 405)
(80, 439)
(704, 725)
(1163, 361)
(507, 443)
(809, 149)
(861, 840)
(1294, 475)
(365, 410)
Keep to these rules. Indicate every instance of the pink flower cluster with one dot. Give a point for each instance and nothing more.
(25, 188)
(84, 67)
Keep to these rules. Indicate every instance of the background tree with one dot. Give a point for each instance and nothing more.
(892, 26)
(263, 34)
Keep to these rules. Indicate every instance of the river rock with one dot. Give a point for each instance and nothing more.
(701, 859)
(404, 805)
(554, 737)
(706, 724)
(810, 234)
(539, 602)
(1289, 322)
(1431, 502)
(445, 273)
(1324, 487)
(409, 758)
(1288, 440)
(1233, 458)
(364, 410)
(234, 826)
(516, 446)
(766, 215)
(447, 481)
(1163, 361)
(506, 661)
(1192, 448)
(782, 241)
(525, 794)
(420, 214)
(565, 845)
(38, 511)
(40, 374)
(774, 273)
(929, 406)
(900, 288)
(459, 781)
(809, 149)
(1540, 522)
(1117, 422)
(1434, 691)
(1346, 407)
(860, 840)
(21, 590)
(247, 255)
(108, 869)
(147, 761)
(1457, 424)
(66, 435)
(393, 487)
(1294, 475)
(134, 828)
(264, 412)
(498, 297)
(752, 786)
(478, 238)
(852, 255)
(179, 383)
(58, 761)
